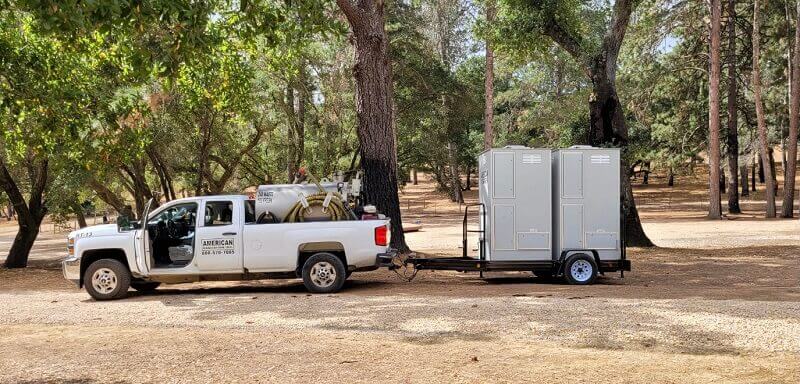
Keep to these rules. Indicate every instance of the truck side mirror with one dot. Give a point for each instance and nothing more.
(124, 223)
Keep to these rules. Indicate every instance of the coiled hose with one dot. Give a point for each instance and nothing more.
(336, 209)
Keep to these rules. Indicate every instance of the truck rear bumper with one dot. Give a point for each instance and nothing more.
(386, 259)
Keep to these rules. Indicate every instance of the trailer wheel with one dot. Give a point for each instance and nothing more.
(580, 269)
(107, 279)
(324, 273)
(145, 286)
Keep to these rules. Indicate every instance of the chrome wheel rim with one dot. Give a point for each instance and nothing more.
(104, 280)
(323, 274)
(581, 270)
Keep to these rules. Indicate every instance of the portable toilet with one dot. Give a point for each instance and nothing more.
(586, 200)
(515, 194)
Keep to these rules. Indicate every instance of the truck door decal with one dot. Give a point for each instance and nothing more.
(218, 247)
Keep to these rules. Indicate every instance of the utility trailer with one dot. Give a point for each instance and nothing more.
(552, 212)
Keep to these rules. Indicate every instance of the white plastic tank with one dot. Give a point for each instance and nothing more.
(279, 199)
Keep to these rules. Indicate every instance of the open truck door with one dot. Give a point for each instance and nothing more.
(143, 242)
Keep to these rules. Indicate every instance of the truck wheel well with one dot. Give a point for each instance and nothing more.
(90, 256)
(308, 249)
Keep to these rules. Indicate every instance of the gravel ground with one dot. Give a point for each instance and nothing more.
(717, 304)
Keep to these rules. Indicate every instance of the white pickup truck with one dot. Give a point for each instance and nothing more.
(226, 242)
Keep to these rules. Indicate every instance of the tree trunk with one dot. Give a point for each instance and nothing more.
(206, 123)
(163, 173)
(488, 116)
(760, 169)
(414, 174)
(29, 215)
(773, 170)
(108, 196)
(763, 142)
(295, 137)
(608, 128)
(753, 171)
(733, 124)
(745, 183)
(455, 180)
(790, 171)
(141, 190)
(300, 128)
(372, 72)
(23, 243)
(671, 178)
(713, 114)
(78, 210)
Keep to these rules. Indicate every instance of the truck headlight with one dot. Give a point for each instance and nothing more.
(71, 246)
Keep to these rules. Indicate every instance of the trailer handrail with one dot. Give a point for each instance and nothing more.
(465, 231)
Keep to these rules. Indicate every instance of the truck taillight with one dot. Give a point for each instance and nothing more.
(382, 235)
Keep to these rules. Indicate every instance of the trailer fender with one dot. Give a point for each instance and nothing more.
(569, 252)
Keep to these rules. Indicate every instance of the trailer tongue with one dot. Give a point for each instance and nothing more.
(552, 212)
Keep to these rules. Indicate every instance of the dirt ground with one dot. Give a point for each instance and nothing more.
(716, 301)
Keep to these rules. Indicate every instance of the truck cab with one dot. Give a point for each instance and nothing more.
(220, 238)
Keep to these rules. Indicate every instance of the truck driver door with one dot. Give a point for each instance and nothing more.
(219, 240)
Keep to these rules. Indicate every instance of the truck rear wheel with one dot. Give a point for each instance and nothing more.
(324, 273)
(580, 269)
(107, 279)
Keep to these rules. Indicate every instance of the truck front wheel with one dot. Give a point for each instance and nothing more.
(107, 279)
(324, 273)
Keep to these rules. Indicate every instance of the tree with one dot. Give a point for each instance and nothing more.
(763, 143)
(376, 135)
(787, 208)
(45, 87)
(733, 123)
(561, 21)
(714, 209)
(488, 131)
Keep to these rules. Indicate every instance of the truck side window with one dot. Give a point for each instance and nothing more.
(249, 211)
(218, 213)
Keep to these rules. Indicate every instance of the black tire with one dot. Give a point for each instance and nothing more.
(113, 280)
(145, 286)
(324, 273)
(585, 271)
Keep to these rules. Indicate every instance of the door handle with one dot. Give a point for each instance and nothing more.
(229, 234)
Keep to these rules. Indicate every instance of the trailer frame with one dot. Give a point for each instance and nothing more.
(481, 265)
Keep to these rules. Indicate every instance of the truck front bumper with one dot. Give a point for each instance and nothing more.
(386, 259)
(72, 269)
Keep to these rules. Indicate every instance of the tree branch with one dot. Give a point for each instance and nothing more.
(612, 42)
(564, 39)
(354, 15)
